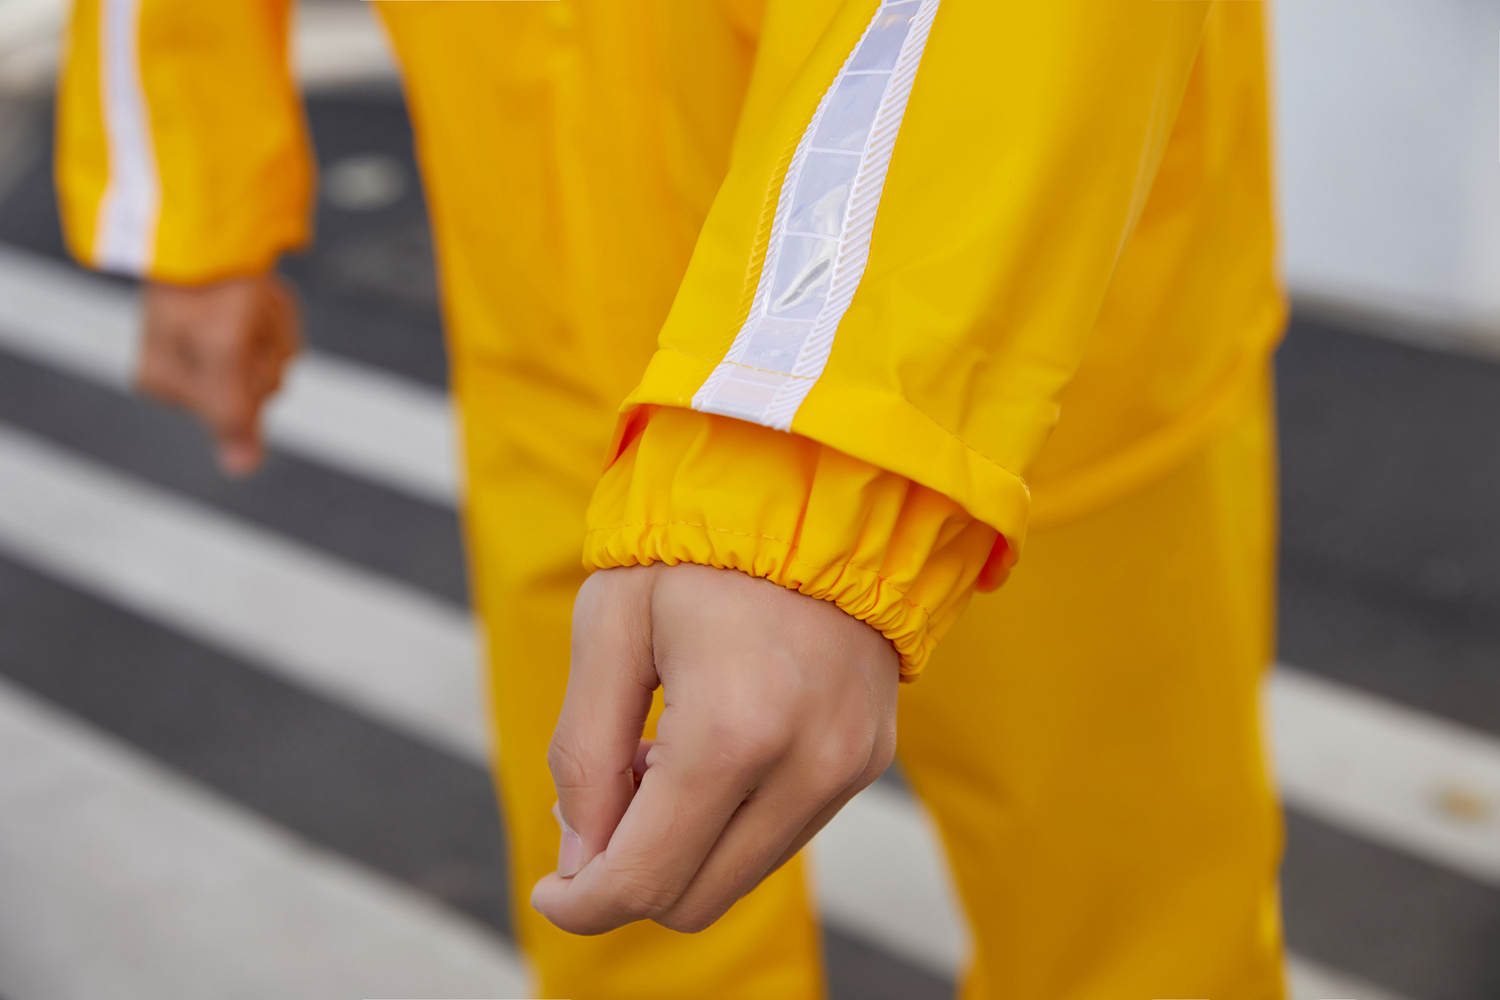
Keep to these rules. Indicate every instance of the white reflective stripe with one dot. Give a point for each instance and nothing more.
(820, 235)
(125, 233)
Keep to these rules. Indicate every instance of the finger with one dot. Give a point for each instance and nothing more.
(167, 364)
(240, 455)
(774, 823)
(641, 762)
(239, 373)
(667, 830)
(232, 411)
(283, 333)
(711, 752)
(879, 761)
(611, 678)
(273, 341)
(164, 377)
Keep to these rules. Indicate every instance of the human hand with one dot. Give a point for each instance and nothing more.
(779, 708)
(219, 351)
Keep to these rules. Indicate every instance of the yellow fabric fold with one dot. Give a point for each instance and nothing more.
(706, 489)
(1070, 256)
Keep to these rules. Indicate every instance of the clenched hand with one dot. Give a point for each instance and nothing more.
(219, 351)
(778, 709)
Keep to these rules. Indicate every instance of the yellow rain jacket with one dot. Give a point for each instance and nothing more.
(939, 226)
(874, 287)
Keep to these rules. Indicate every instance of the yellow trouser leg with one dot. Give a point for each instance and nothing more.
(529, 473)
(1089, 742)
(567, 182)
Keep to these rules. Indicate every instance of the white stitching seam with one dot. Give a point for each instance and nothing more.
(125, 231)
(784, 345)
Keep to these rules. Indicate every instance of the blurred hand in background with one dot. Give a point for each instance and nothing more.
(220, 351)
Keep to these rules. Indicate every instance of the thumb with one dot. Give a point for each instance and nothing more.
(610, 681)
(247, 369)
(234, 417)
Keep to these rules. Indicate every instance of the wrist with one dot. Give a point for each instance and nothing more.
(689, 487)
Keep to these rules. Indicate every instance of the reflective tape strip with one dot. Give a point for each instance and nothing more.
(125, 233)
(820, 235)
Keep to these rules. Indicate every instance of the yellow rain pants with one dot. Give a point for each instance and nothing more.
(881, 285)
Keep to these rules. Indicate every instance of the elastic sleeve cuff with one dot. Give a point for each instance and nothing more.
(701, 488)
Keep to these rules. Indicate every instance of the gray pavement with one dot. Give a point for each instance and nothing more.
(1390, 544)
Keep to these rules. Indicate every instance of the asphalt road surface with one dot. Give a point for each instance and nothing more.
(200, 794)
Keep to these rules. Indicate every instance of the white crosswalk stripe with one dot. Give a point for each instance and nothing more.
(335, 45)
(121, 880)
(1382, 772)
(882, 876)
(398, 655)
(407, 660)
(1389, 774)
(1312, 981)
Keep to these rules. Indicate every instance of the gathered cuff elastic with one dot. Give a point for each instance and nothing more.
(712, 490)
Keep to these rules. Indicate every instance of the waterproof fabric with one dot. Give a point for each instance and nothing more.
(1088, 742)
(911, 233)
(976, 215)
(182, 152)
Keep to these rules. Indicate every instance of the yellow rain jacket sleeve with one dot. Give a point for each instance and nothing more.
(926, 205)
(182, 154)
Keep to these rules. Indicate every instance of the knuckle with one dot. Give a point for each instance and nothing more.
(568, 769)
(750, 724)
(885, 752)
(689, 919)
(748, 739)
(879, 764)
(637, 895)
(844, 757)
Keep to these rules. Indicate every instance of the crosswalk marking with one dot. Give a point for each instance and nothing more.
(93, 839)
(360, 420)
(1356, 761)
(1388, 773)
(881, 875)
(409, 661)
(345, 415)
(340, 44)
(1342, 767)
(335, 45)
(1378, 770)
(119, 879)
(395, 653)
(1307, 980)
(879, 857)
(81, 324)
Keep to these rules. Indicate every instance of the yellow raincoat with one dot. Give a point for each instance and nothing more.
(883, 286)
